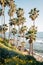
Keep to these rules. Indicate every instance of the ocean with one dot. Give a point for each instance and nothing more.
(37, 45)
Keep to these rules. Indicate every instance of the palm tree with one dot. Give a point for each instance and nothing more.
(5, 28)
(11, 12)
(13, 21)
(31, 35)
(23, 30)
(14, 31)
(0, 15)
(20, 20)
(33, 14)
(3, 3)
(22, 43)
(0, 28)
(20, 12)
(20, 15)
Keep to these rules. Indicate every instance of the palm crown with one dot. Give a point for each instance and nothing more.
(31, 34)
(33, 14)
(20, 12)
(14, 31)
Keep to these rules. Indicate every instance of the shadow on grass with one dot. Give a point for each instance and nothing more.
(6, 54)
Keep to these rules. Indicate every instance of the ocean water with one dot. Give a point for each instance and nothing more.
(37, 45)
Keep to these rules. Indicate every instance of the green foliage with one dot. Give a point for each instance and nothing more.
(34, 13)
(5, 42)
(8, 57)
(14, 31)
(31, 33)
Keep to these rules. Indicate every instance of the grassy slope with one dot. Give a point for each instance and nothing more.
(11, 56)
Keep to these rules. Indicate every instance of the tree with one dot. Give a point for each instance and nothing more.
(31, 35)
(23, 44)
(3, 3)
(5, 28)
(20, 20)
(20, 12)
(14, 31)
(0, 15)
(0, 29)
(11, 12)
(33, 14)
(13, 22)
(20, 16)
(23, 30)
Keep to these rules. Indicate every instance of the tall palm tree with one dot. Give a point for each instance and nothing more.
(20, 12)
(0, 29)
(3, 3)
(20, 19)
(5, 28)
(31, 35)
(11, 12)
(0, 15)
(14, 31)
(23, 30)
(20, 15)
(13, 21)
(33, 14)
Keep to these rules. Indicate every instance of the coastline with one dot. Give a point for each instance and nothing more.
(37, 56)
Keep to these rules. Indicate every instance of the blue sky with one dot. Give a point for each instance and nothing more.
(27, 5)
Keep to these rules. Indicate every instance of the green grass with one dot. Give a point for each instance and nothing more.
(9, 56)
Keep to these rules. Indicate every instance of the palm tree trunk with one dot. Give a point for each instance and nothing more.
(4, 21)
(17, 41)
(18, 34)
(3, 18)
(9, 30)
(34, 23)
(14, 39)
(23, 36)
(23, 32)
(31, 49)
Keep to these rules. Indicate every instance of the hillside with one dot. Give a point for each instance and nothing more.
(12, 56)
